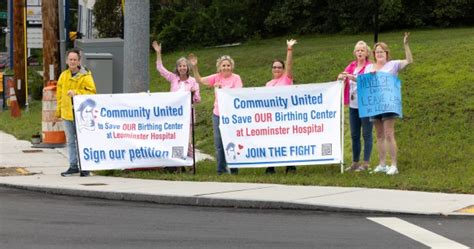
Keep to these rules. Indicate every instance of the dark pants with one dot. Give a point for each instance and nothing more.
(356, 124)
(220, 156)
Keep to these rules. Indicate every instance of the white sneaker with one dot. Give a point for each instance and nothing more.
(380, 169)
(392, 170)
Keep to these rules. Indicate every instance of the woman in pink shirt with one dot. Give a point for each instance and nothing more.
(179, 80)
(282, 77)
(356, 67)
(224, 78)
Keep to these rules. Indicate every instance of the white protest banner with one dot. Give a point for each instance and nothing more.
(133, 130)
(281, 126)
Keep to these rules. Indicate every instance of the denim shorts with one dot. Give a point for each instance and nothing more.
(384, 116)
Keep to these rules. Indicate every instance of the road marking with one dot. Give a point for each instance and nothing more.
(468, 209)
(417, 233)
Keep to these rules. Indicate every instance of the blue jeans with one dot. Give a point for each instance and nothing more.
(356, 124)
(220, 156)
(71, 143)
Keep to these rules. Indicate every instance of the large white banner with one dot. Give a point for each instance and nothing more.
(281, 126)
(133, 130)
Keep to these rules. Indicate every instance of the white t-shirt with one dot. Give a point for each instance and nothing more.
(181, 87)
(390, 67)
(353, 92)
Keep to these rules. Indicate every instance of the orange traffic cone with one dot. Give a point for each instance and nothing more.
(14, 107)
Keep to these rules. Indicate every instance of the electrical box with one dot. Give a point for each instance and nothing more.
(101, 66)
(113, 46)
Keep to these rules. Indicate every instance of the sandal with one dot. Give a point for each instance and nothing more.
(363, 167)
(353, 167)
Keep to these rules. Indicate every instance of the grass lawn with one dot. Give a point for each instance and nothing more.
(435, 138)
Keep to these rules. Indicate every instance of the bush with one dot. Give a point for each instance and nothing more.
(205, 26)
(213, 22)
(108, 18)
(35, 85)
(451, 13)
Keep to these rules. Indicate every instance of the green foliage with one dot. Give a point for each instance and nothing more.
(221, 22)
(35, 84)
(207, 23)
(390, 14)
(449, 13)
(108, 18)
(288, 15)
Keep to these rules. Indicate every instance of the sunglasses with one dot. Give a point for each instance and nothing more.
(277, 67)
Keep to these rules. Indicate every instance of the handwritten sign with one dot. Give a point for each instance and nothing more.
(379, 93)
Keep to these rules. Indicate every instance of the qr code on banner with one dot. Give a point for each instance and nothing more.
(177, 152)
(326, 149)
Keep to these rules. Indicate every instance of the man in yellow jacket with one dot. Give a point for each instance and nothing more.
(75, 80)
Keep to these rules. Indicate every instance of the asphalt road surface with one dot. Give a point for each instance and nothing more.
(38, 220)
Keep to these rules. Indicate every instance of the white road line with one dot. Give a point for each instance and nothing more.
(417, 233)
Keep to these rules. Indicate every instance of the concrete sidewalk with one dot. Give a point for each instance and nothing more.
(48, 163)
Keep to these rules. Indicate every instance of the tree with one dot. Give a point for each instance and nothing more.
(108, 18)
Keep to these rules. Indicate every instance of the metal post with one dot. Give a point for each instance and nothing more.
(67, 18)
(376, 21)
(77, 138)
(62, 39)
(192, 132)
(136, 41)
(342, 126)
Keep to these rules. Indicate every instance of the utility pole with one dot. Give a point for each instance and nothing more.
(49, 11)
(19, 45)
(136, 46)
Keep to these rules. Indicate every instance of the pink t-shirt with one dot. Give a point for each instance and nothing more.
(284, 80)
(216, 80)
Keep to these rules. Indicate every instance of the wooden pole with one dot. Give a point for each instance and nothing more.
(19, 54)
(49, 11)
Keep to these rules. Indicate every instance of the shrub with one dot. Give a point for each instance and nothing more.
(108, 18)
(35, 85)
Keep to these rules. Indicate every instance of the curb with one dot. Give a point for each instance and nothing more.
(217, 202)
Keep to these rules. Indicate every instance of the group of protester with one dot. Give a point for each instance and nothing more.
(384, 123)
(76, 80)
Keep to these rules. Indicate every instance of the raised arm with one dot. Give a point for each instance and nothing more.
(169, 76)
(194, 61)
(289, 57)
(157, 47)
(408, 55)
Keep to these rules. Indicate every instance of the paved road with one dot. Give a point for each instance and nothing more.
(37, 220)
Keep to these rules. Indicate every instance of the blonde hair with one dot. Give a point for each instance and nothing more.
(364, 44)
(384, 46)
(225, 58)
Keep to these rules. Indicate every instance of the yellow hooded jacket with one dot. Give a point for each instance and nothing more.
(81, 83)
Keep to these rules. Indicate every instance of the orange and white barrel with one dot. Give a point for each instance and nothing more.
(53, 130)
